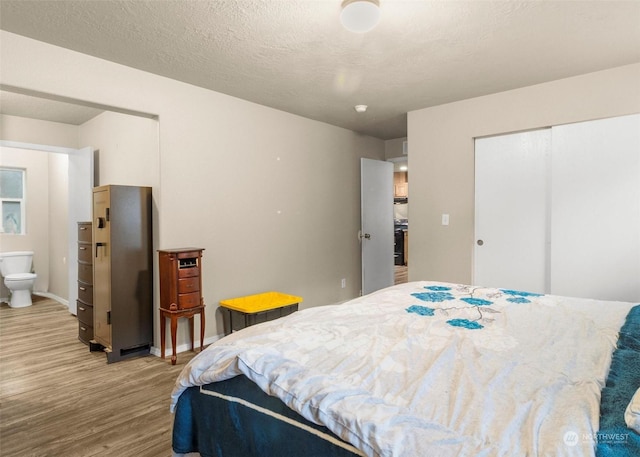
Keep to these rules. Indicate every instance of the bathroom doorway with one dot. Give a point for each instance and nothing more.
(57, 192)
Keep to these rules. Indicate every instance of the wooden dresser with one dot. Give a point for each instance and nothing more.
(180, 292)
(85, 283)
(122, 271)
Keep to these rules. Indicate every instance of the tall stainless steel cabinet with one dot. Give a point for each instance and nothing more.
(123, 271)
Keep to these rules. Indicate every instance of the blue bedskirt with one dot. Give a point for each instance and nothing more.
(235, 418)
(615, 439)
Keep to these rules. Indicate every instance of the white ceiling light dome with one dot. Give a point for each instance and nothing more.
(360, 16)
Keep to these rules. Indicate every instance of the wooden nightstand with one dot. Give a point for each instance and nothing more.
(180, 293)
(242, 312)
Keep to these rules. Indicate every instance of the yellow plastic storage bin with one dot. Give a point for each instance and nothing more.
(242, 312)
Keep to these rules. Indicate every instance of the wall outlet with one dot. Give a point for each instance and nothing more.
(343, 283)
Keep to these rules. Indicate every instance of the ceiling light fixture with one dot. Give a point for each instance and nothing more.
(360, 16)
(360, 108)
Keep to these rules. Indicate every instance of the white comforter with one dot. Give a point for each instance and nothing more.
(434, 369)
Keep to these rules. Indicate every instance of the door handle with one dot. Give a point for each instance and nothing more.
(366, 236)
(480, 242)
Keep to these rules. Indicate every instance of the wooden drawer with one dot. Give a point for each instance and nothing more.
(188, 300)
(84, 232)
(188, 285)
(188, 272)
(85, 332)
(85, 273)
(85, 293)
(84, 253)
(85, 313)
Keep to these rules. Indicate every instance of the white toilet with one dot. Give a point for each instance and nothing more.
(15, 267)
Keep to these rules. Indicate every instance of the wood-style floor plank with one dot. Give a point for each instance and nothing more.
(401, 274)
(59, 399)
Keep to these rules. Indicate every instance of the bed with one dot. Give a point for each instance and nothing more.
(420, 369)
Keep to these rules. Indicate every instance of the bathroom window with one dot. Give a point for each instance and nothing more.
(12, 205)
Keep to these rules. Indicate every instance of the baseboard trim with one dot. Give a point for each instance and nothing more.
(53, 297)
(184, 347)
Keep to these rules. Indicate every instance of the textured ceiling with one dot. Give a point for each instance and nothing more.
(44, 109)
(295, 56)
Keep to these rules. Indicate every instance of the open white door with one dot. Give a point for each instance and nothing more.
(376, 178)
(80, 204)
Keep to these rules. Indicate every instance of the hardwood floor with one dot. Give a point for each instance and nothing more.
(59, 399)
(400, 274)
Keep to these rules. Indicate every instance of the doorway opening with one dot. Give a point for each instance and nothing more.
(401, 221)
(30, 120)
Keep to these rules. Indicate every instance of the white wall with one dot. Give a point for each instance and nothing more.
(441, 157)
(128, 148)
(393, 148)
(34, 131)
(272, 197)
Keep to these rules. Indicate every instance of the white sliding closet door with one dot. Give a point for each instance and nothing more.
(511, 247)
(595, 209)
